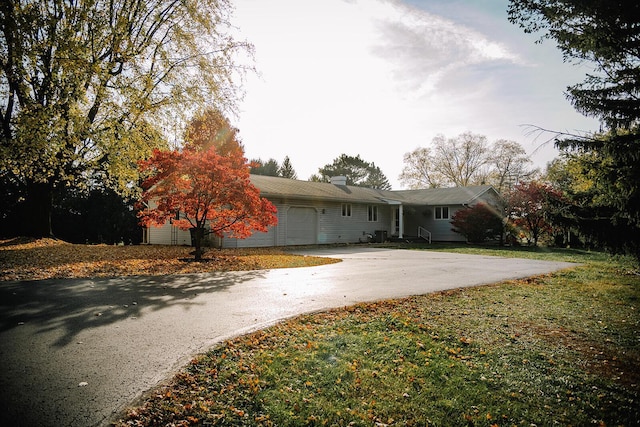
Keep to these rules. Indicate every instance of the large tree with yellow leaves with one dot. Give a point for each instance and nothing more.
(90, 87)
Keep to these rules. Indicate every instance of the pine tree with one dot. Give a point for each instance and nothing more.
(605, 34)
(286, 170)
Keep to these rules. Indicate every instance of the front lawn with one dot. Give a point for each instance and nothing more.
(559, 349)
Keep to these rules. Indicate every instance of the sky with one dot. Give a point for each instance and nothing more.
(380, 78)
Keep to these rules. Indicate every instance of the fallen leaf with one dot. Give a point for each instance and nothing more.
(38, 259)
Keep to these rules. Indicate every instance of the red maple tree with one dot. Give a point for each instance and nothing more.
(203, 191)
(533, 206)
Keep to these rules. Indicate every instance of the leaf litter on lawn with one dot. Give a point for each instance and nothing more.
(38, 259)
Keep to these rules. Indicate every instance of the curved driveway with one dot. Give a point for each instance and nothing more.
(76, 352)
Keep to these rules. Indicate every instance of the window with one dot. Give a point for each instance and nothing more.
(442, 212)
(372, 213)
(346, 209)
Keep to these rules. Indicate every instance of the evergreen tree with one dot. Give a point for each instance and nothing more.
(358, 172)
(286, 170)
(376, 179)
(268, 168)
(606, 35)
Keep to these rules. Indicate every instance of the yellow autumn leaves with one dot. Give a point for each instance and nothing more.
(28, 259)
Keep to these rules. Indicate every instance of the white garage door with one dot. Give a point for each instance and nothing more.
(301, 226)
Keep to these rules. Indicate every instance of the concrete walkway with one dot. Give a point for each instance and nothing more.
(76, 352)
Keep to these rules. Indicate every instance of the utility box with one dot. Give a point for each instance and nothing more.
(381, 236)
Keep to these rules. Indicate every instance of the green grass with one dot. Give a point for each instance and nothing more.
(529, 252)
(560, 349)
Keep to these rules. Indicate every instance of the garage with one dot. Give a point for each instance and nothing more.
(301, 226)
(257, 240)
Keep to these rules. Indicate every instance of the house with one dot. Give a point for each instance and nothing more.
(322, 213)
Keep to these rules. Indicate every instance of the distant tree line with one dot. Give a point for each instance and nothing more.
(272, 168)
(357, 171)
(467, 159)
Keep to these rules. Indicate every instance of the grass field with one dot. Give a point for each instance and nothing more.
(560, 349)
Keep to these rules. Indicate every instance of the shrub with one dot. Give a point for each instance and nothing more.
(478, 223)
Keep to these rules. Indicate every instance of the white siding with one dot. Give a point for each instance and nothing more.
(441, 229)
(256, 240)
(167, 234)
(335, 228)
(329, 225)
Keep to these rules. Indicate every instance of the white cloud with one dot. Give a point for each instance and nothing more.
(379, 78)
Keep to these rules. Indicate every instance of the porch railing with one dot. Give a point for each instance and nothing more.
(424, 233)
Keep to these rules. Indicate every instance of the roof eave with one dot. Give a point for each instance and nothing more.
(321, 198)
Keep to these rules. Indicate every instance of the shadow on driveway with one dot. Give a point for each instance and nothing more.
(73, 305)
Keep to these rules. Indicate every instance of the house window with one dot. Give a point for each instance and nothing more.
(346, 209)
(372, 213)
(442, 212)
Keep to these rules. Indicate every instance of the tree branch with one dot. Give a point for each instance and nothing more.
(552, 136)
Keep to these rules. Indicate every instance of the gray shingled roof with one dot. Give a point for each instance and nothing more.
(442, 196)
(270, 186)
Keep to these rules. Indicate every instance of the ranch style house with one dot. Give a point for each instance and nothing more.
(311, 213)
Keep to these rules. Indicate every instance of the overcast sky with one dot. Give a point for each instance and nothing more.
(379, 78)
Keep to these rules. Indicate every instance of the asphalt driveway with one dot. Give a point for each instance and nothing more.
(76, 352)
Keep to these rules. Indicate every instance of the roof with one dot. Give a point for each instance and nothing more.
(277, 187)
(294, 189)
(443, 196)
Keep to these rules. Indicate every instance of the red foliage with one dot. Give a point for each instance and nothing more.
(210, 191)
(532, 206)
(478, 223)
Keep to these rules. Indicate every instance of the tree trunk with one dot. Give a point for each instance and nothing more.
(197, 238)
(36, 221)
